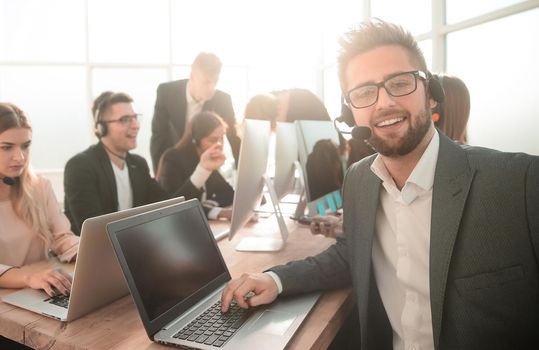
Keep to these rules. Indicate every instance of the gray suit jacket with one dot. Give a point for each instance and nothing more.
(484, 252)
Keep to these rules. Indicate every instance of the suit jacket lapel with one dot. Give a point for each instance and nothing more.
(452, 183)
(367, 199)
(179, 111)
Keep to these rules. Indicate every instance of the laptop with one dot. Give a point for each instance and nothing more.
(176, 273)
(97, 278)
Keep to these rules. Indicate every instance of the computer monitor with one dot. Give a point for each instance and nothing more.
(286, 159)
(320, 198)
(250, 181)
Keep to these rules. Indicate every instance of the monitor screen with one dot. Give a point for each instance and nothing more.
(170, 258)
(252, 165)
(286, 154)
(321, 161)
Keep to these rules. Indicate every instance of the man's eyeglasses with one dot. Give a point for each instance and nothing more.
(125, 119)
(397, 85)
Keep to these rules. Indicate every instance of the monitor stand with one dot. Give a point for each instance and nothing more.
(302, 203)
(267, 244)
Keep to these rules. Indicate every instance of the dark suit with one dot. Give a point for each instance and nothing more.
(90, 185)
(176, 170)
(484, 250)
(169, 118)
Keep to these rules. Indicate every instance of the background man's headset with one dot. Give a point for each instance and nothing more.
(100, 126)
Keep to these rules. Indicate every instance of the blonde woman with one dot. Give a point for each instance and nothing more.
(32, 224)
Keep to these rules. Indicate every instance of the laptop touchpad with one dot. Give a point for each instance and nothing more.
(273, 322)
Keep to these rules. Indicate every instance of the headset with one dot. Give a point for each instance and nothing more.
(100, 127)
(438, 110)
(434, 84)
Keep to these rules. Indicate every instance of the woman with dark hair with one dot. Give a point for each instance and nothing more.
(300, 104)
(33, 224)
(451, 116)
(324, 169)
(192, 165)
(263, 107)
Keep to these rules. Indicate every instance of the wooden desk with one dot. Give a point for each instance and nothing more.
(118, 325)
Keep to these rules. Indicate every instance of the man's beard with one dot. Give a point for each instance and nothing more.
(408, 143)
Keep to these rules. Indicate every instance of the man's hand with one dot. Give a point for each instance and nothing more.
(329, 226)
(262, 285)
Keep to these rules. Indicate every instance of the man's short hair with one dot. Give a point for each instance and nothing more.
(373, 34)
(106, 100)
(208, 63)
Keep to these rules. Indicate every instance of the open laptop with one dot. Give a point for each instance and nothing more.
(97, 279)
(176, 274)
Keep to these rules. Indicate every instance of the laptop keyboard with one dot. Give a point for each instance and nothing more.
(60, 300)
(213, 327)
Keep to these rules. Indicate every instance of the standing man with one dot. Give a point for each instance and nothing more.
(106, 178)
(178, 101)
(441, 242)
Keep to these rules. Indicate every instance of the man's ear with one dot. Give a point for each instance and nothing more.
(432, 103)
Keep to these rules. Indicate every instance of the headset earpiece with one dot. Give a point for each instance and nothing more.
(438, 113)
(435, 88)
(437, 93)
(101, 127)
(347, 116)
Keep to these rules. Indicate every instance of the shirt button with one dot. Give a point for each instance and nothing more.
(411, 297)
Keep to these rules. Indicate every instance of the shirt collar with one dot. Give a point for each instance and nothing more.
(190, 100)
(422, 176)
(423, 173)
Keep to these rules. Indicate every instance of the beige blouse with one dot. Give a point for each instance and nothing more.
(20, 245)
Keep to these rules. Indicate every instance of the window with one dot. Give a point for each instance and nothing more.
(54, 98)
(57, 55)
(123, 31)
(460, 10)
(42, 31)
(500, 72)
(413, 15)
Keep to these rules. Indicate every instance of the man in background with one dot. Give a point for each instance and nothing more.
(106, 178)
(178, 101)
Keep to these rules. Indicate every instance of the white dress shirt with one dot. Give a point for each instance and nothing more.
(193, 107)
(199, 178)
(400, 252)
(123, 187)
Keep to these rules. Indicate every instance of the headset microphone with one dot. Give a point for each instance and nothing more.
(9, 181)
(361, 133)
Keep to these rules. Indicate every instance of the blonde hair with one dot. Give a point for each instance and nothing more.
(208, 63)
(27, 198)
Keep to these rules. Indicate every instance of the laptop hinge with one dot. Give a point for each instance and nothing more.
(194, 307)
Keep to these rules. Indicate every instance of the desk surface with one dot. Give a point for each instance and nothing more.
(118, 325)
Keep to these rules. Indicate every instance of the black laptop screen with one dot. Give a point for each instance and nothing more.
(170, 258)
